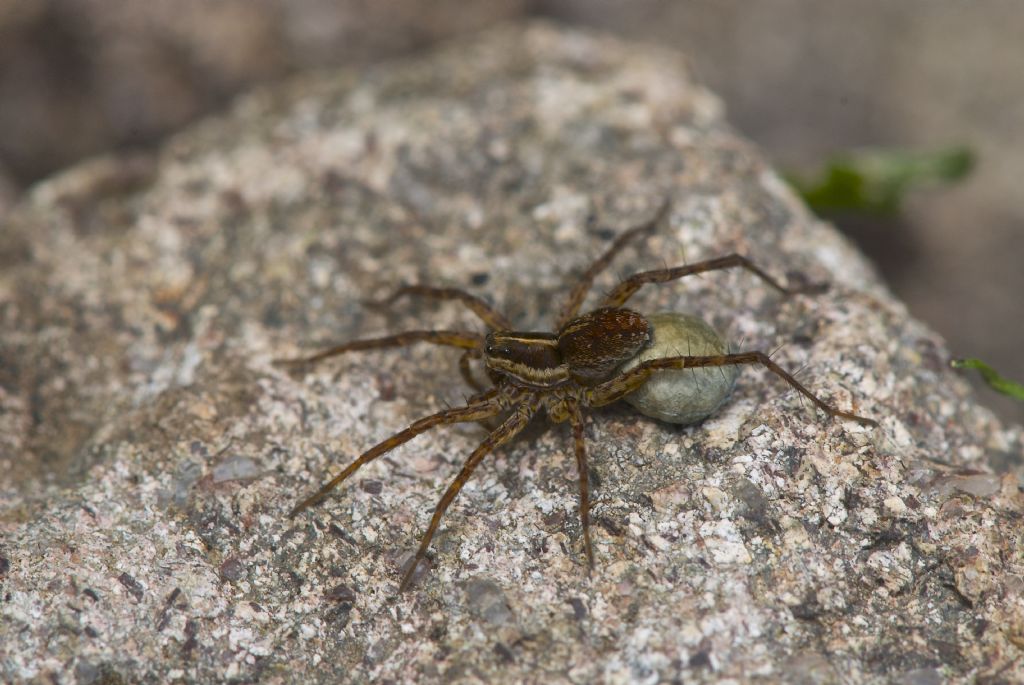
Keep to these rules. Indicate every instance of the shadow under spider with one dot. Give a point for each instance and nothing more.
(560, 372)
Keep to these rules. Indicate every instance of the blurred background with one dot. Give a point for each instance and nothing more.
(806, 80)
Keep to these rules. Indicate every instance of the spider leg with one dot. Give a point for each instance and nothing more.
(576, 419)
(493, 318)
(467, 371)
(502, 434)
(483, 406)
(618, 387)
(582, 287)
(467, 341)
(626, 289)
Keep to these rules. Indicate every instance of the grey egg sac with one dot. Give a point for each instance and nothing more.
(685, 395)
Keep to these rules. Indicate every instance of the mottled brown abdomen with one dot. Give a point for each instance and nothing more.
(595, 344)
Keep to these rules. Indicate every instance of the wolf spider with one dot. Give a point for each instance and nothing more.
(561, 372)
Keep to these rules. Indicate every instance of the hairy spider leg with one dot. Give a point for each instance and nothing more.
(466, 341)
(484, 406)
(506, 431)
(625, 290)
(490, 316)
(579, 292)
(576, 420)
(618, 387)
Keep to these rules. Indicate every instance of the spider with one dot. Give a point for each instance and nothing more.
(563, 372)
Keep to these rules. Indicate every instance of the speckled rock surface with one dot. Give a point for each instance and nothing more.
(150, 452)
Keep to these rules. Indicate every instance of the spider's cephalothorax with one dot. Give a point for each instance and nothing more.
(583, 364)
(585, 351)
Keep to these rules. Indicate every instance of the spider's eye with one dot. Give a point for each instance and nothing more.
(498, 351)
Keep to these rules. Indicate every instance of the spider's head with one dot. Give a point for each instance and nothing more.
(530, 358)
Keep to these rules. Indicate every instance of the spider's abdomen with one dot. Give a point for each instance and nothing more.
(595, 344)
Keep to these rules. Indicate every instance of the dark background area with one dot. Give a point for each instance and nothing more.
(804, 79)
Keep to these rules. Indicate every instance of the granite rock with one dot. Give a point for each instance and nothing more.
(151, 452)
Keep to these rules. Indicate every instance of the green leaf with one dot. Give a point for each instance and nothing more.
(995, 381)
(875, 181)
